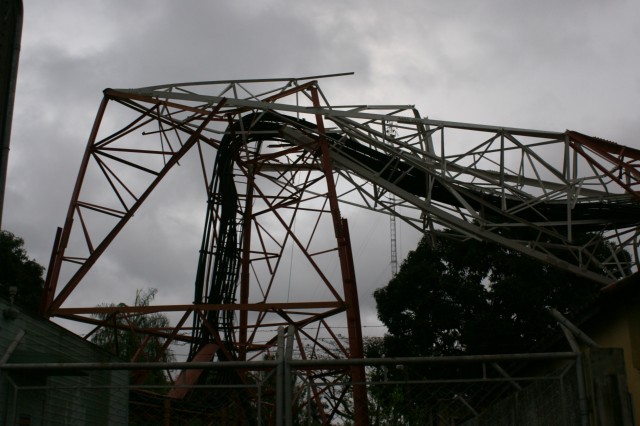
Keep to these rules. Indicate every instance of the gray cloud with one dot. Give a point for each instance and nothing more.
(547, 65)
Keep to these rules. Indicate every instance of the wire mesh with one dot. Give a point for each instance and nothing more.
(456, 393)
(76, 398)
(462, 394)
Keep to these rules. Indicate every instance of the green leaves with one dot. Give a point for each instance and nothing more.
(17, 270)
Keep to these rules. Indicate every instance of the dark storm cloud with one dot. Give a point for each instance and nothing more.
(549, 65)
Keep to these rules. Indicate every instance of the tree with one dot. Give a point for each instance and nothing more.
(120, 335)
(17, 270)
(455, 297)
(449, 293)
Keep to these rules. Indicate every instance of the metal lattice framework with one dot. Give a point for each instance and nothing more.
(284, 159)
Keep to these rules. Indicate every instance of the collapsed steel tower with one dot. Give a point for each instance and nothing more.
(277, 159)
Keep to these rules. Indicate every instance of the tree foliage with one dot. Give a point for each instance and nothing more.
(17, 270)
(455, 297)
(121, 336)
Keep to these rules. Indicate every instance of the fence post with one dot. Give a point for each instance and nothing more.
(571, 332)
(280, 377)
(288, 391)
(259, 407)
(12, 408)
(166, 415)
(583, 402)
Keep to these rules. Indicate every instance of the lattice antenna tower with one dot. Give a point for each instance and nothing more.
(391, 133)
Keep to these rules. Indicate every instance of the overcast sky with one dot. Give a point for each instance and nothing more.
(549, 65)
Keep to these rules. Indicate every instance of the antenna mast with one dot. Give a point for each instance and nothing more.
(391, 134)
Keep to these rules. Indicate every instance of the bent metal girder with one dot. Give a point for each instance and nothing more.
(272, 206)
(562, 197)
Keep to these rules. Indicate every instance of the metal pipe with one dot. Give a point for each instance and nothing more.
(506, 375)
(12, 346)
(466, 404)
(299, 364)
(581, 335)
(256, 365)
(253, 80)
(320, 363)
(583, 401)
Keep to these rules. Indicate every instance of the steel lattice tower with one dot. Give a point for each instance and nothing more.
(284, 160)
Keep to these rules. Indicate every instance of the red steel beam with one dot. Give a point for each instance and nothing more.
(81, 272)
(356, 350)
(203, 307)
(611, 152)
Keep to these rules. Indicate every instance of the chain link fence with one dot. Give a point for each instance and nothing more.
(72, 397)
(527, 389)
(530, 398)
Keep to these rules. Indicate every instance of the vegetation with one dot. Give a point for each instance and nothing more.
(455, 297)
(17, 270)
(120, 335)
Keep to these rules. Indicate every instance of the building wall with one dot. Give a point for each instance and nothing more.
(619, 327)
(54, 397)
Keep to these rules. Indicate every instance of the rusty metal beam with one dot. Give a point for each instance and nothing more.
(257, 307)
